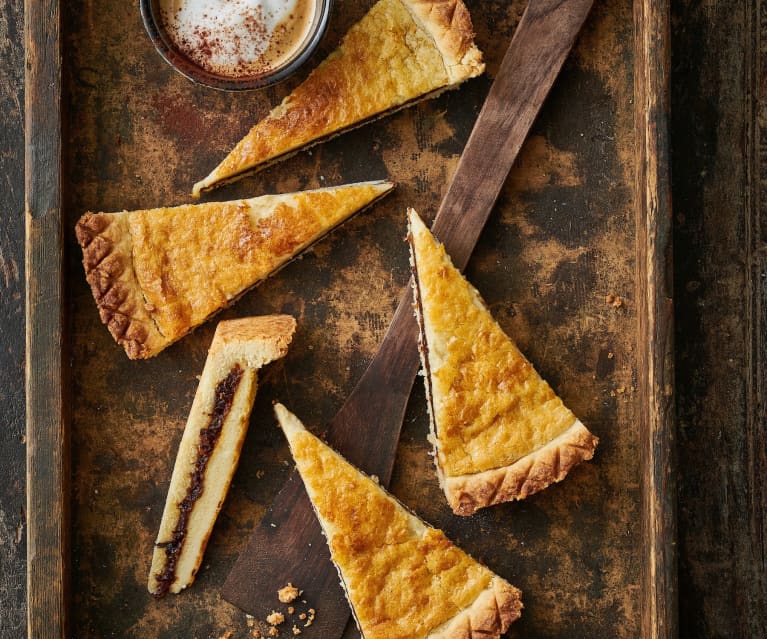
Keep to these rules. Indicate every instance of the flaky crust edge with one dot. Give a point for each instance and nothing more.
(274, 332)
(491, 614)
(448, 22)
(108, 262)
(468, 493)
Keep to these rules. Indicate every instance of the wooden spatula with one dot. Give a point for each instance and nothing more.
(288, 545)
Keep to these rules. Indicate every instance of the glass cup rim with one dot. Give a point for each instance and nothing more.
(192, 71)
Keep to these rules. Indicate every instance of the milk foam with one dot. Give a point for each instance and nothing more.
(237, 38)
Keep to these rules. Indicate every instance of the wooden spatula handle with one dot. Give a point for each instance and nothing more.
(288, 544)
(544, 37)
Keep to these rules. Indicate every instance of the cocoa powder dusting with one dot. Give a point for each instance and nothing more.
(237, 39)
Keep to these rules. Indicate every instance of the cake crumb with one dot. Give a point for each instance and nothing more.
(614, 300)
(257, 634)
(302, 615)
(276, 618)
(288, 593)
(291, 610)
(296, 630)
(311, 618)
(273, 632)
(226, 635)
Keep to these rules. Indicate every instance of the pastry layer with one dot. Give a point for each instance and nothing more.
(158, 273)
(108, 260)
(403, 578)
(400, 51)
(468, 493)
(489, 408)
(211, 443)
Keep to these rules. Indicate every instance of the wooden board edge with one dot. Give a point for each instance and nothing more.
(655, 348)
(47, 435)
(754, 583)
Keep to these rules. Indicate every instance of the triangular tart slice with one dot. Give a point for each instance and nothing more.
(158, 273)
(400, 52)
(403, 578)
(499, 431)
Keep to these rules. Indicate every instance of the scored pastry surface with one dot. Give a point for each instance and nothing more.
(211, 443)
(403, 578)
(158, 273)
(399, 52)
(493, 417)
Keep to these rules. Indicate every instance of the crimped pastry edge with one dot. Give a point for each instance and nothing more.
(532, 473)
(491, 614)
(108, 262)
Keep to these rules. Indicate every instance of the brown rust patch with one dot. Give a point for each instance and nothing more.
(540, 165)
(179, 118)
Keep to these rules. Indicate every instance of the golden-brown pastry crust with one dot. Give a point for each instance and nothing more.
(156, 274)
(404, 579)
(468, 493)
(399, 52)
(449, 24)
(107, 258)
(491, 614)
(493, 418)
(272, 333)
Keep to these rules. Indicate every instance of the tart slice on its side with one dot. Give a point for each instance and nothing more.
(400, 52)
(499, 431)
(211, 443)
(158, 273)
(403, 578)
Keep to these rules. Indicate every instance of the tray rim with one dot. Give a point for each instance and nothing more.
(655, 310)
(46, 381)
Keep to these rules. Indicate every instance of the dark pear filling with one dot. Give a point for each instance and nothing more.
(222, 404)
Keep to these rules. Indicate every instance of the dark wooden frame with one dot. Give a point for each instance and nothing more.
(47, 387)
(656, 320)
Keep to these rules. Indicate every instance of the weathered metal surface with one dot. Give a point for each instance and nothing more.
(560, 241)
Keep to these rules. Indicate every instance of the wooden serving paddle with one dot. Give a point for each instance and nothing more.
(288, 545)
